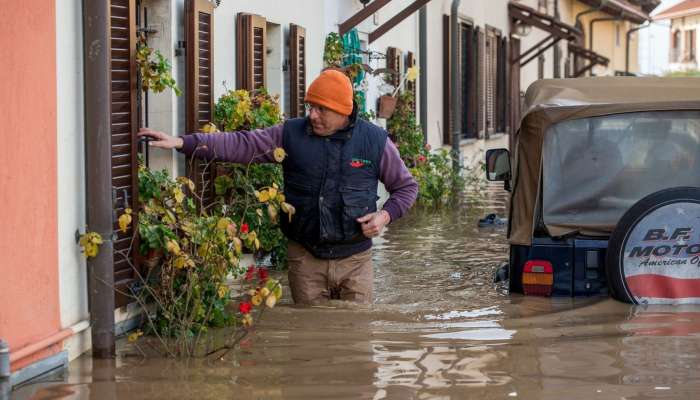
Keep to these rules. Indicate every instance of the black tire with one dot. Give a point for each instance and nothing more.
(617, 280)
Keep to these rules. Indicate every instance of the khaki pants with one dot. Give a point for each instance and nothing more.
(313, 280)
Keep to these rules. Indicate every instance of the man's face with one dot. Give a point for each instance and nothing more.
(324, 121)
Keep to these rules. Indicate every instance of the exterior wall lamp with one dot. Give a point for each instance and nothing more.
(521, 29)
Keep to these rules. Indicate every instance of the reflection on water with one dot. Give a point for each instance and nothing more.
(438, 330)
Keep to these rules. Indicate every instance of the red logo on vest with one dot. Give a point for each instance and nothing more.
(359, 162)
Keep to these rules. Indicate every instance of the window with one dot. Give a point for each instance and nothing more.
(468, 53)
(617, 35)
(297, 69)
(468, 73)
(675, 46)
(393, 63)
(595, 168)
(492, 47)
(123, 127)
(199, 102)
(274, 51)
(689, 48)
(251, 51)
(410, 86)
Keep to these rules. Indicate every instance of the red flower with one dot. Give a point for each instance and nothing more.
(244, 228)
(250, 273)
(245, 307)
(263, 274)
(421, 159)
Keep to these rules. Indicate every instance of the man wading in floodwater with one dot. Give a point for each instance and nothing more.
(333, 165)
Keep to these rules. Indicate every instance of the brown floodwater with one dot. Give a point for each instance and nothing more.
(438, 329)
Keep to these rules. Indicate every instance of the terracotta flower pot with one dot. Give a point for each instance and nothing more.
(387, 104)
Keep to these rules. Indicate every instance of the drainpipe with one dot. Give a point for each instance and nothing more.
(456, 84)
(590, 28)
(577, 20)
(627, 45)
(96, 23)
(557, 49)
(5, 387)
(423, 65)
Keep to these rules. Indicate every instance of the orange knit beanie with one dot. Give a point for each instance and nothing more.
(333, 90)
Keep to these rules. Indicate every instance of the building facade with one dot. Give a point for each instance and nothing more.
(215, 46)
(684, 19)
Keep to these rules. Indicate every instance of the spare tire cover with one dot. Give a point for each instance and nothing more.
(654, 252)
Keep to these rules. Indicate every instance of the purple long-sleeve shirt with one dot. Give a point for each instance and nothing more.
(256, 146)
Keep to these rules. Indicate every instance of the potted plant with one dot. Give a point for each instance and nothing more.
(387, 103)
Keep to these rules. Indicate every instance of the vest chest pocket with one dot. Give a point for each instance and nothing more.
(305, 220)
(356, 203)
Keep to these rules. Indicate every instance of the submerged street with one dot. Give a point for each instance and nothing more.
(439, 329)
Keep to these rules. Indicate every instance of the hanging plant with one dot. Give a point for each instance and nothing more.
(333, 51)
(156, 71)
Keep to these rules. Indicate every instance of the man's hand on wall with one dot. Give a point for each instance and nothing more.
(374, 223)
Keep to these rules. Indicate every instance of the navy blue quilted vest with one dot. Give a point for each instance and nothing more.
(331, 181)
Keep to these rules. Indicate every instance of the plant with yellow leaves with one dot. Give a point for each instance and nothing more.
(90, 243)
(200, 248)
(244, 191)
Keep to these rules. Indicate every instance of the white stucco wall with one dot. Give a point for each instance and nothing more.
(654, 48)
(71, 161)
(71, 175)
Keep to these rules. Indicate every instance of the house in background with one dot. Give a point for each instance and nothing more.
(603, 38)
(685, 22)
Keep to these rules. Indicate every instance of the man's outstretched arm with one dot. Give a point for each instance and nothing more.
(255, 146)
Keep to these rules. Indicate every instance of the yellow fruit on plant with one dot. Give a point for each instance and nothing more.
(271, 300)
(279, 154)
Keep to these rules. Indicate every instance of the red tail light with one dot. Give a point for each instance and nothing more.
(538, 278)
